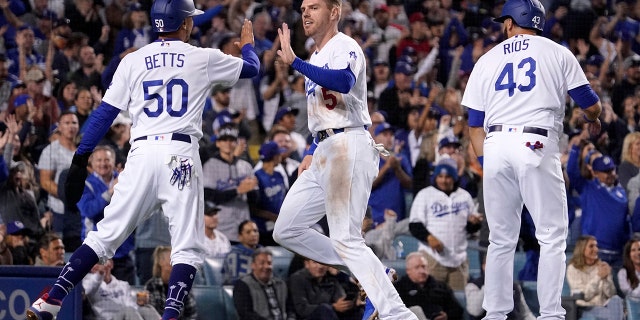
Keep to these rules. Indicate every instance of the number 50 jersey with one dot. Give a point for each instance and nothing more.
(164, 85)
(524, 81)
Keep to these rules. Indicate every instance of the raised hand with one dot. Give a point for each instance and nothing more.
(286, 52)
(246, 34)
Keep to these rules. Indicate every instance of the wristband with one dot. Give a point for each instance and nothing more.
(584, 116)
(481, 160)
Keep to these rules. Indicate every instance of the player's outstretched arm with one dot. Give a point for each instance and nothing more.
(98, 123)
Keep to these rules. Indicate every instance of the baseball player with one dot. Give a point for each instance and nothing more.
(163, 85)
(335, 176)
(516, 98)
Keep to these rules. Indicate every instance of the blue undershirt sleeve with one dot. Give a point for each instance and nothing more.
(584, 96)
(97, 125)
(337, 80)
(476, 118)
(251, 64)
(207, 15)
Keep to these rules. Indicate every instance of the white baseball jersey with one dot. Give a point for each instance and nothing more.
(446, 218)
(526, 85)
(330, 109)
(151, 83)
(338, 182)
(522, 82)
(163, 86)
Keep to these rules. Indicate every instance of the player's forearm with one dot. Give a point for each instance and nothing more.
(477, 136)
(593, 112)
(251, 62)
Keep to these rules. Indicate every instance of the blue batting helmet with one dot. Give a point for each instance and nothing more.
(525, 13)
(168, 15)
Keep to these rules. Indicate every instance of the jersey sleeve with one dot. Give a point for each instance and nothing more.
(474, 92)
(574, 74)
(223, 68)
(348, 54)
(118, 93)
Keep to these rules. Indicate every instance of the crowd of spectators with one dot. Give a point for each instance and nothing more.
(58, 57)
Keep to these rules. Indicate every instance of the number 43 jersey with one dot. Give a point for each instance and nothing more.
(164, 86)
(524, 81)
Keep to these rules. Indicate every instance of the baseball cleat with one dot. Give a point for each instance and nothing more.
(43, 309)
(370, 312)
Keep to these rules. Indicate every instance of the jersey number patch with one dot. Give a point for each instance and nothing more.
(184, 99)
(330, 100)
(505, 79)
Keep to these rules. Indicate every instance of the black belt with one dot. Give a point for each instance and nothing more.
(326, 133)
(323, 134)
(174, 136)
(534, 130)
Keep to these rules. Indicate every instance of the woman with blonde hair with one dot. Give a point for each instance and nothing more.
(158, 285)
(590, 278)
(630, 158)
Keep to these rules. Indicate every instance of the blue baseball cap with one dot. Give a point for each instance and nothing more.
(21, 100)
(603, 164)
(228, 130)
(447, 166)
(269, 150)
(383, 127)
(449, 141)
(404, 68)
(224, 117)
(284, 111)
(595, 60)
(15, 228)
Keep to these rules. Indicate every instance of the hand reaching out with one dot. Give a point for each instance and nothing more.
(246, 34)
(286, 52)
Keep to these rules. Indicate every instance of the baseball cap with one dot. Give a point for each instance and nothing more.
(224, 117)
(603, 164)
(448, 141)
(228, 130)
(120, 119)
(210, 208)
(383, 127)
(595, 60)
(380, 62)
(404, 68)
(406, 58)
(381, 8)
(47, 14)
(447, 166)
(35, 74)
(21, 100)
(632, 61)
(61, 22)
(15, 228)
(135, 6)
(219, 88)
(269, 150)
(416, 17)
(283, 111)
(409, 50)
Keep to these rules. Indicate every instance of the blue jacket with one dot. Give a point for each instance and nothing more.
(604, 210)
(94, 200)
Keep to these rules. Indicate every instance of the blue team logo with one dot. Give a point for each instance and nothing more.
(311, 86)
(353, 55)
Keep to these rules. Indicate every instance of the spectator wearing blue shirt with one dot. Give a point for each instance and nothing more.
(272, 190)
(237, 263)
(393, 180)
(604, 206)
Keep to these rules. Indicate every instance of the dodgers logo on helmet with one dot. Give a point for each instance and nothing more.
(168, 15)
(525, 13)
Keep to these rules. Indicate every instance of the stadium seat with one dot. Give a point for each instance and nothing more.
(409, 243)
(212, 271)
(519, 260)
(633, 308)
(475, 267)
(281, 266)
(398, 265)
(213, 302)
(278, 251)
